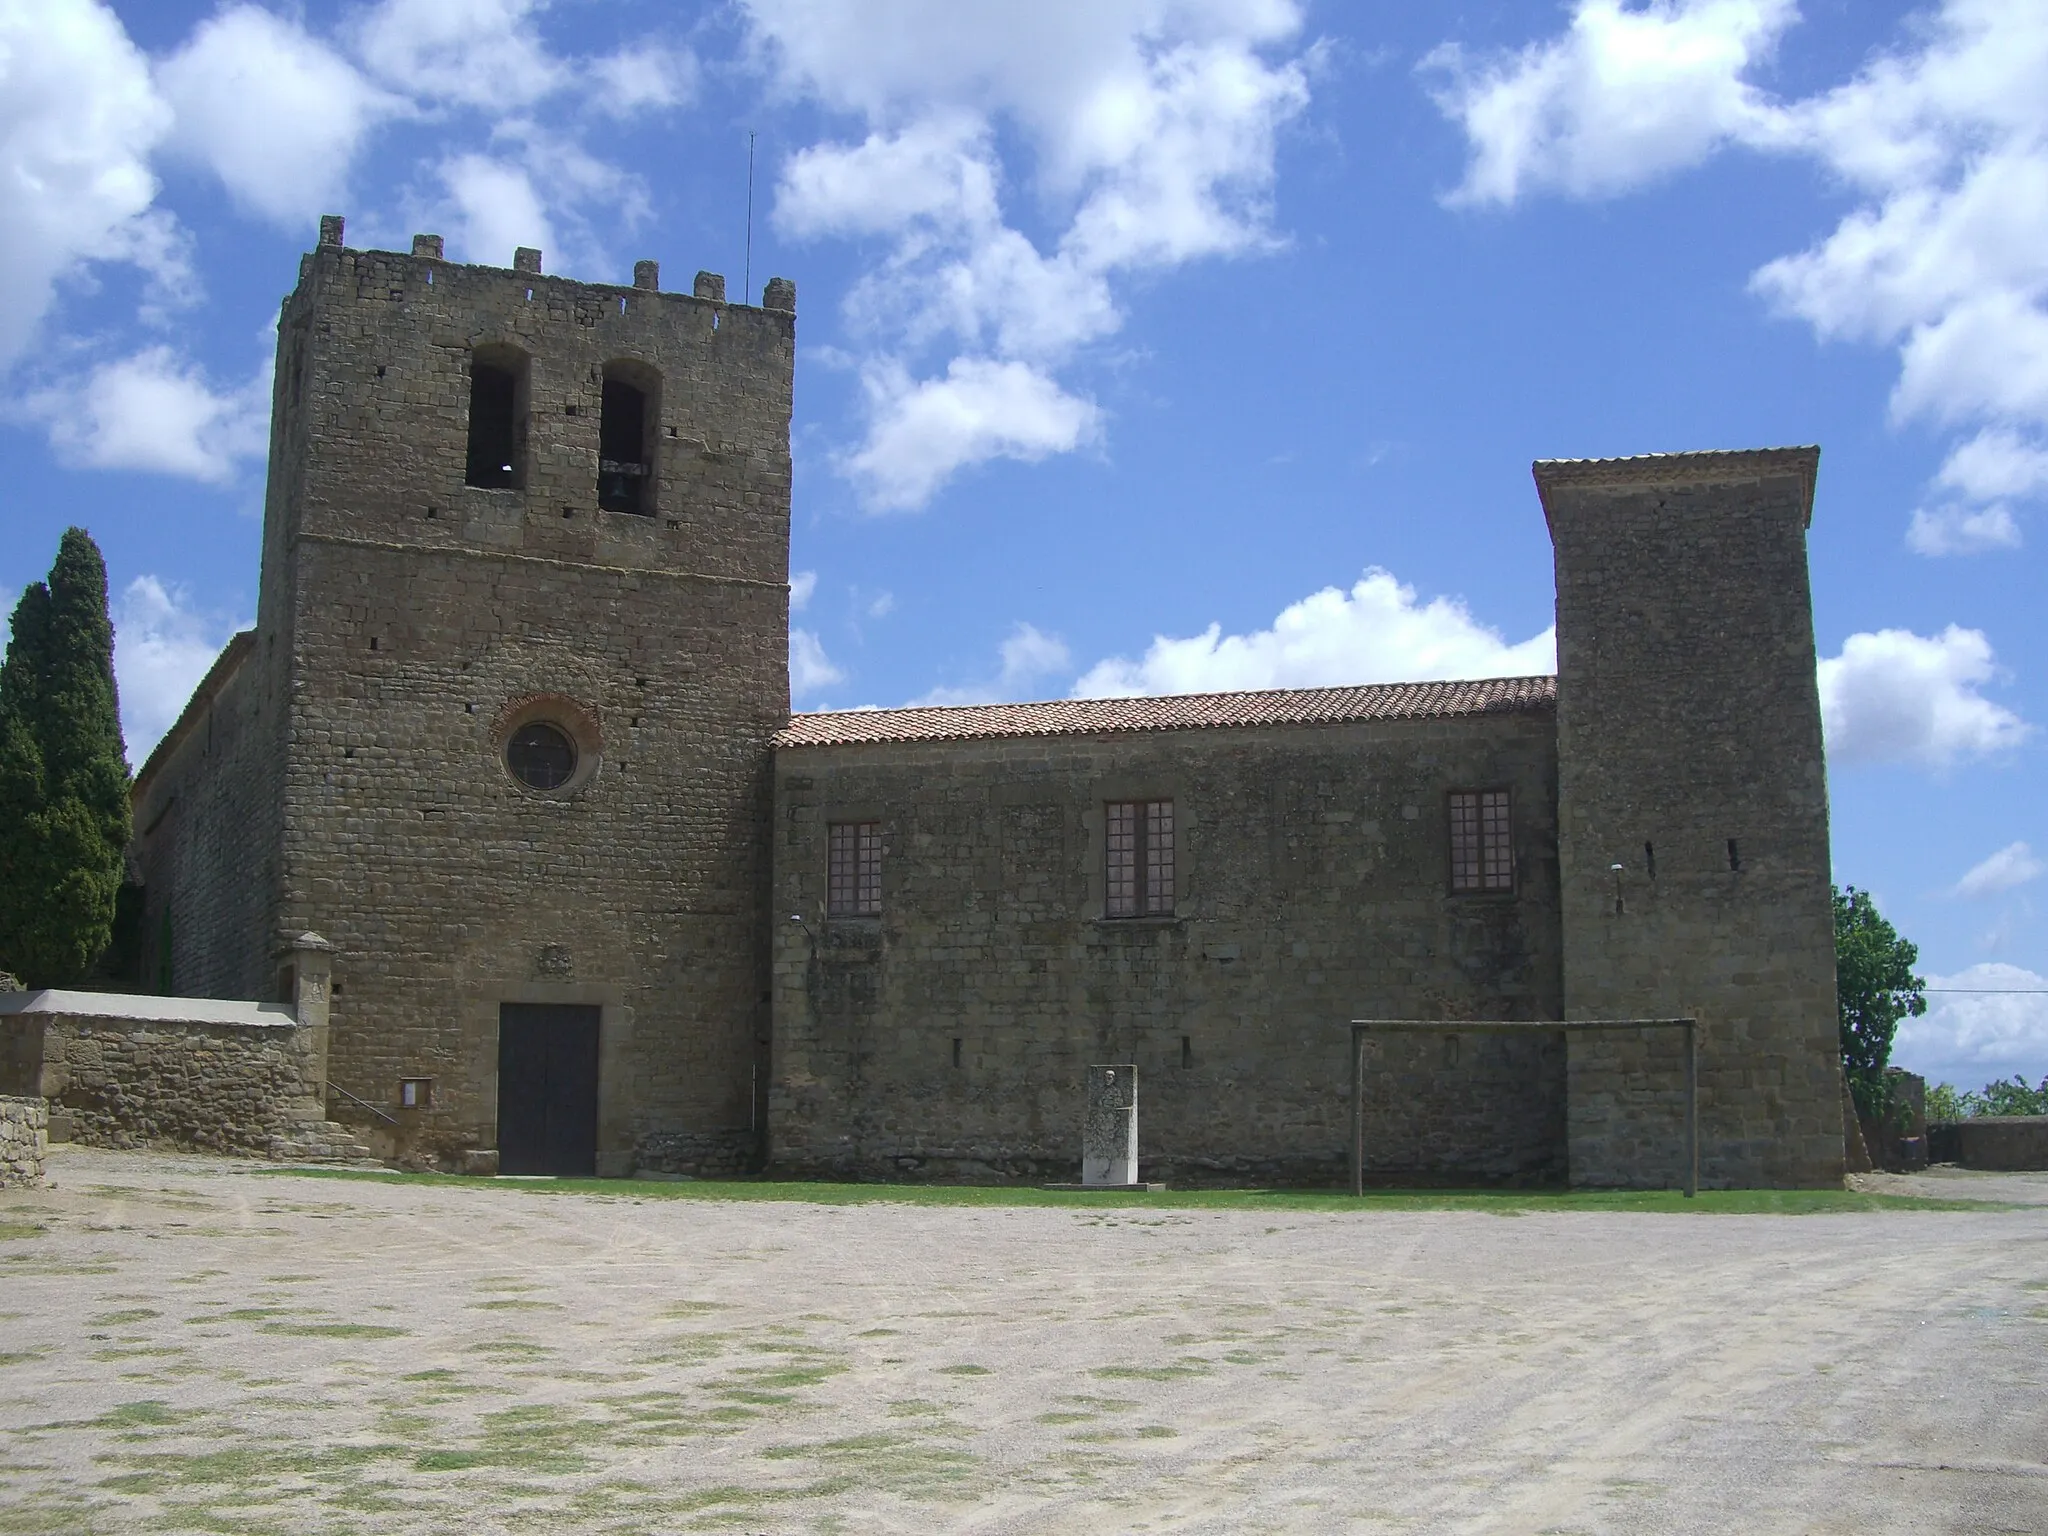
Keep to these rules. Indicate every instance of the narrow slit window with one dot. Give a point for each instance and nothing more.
(1482, 841)
(853, 874)
(497, 419)
(1138, 872)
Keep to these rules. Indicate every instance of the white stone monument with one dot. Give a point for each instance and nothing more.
(1109, 1130)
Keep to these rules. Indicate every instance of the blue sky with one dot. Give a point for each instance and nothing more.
(1149, 345)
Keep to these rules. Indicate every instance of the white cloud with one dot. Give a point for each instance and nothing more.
(802, 586)
(477, 53)
(276, 114)
(924, 431)
(1978, 1037)
(809, 667)
(1149, 128)
(1962, 530)
(162, 648)
(940, 168)
(1944, 138)
(882, 605)
(644, 79)
(1894, 696)
(496, 209)
(79, 119)
(1624, 96)
(156, 412)
(1028, 656)
(1375, 633)
(1996, 463)
(2012, 866)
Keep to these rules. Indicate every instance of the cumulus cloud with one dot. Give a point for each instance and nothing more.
(1146, 133)
(79, 119)
(1377, 632)
(477, 53)
(1943, 139)
(809, 667)
(923, 430)
(1996, 462)
(275, 113)
(2013, 865)
(1028, 656)
(1962, 530)
(162, 648)
(802, 585)
(644, 79)
(1894, 696)
(496, 209)
(156, 412)
(1624, 96)
(1996, 1028)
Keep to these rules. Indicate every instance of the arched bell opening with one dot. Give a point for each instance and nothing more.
(625, 438)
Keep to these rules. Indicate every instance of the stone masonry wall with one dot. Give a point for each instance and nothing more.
(208, 830)
(24, 1140)
(201, 1084)
(424, 619)
(1311, 883)
(1690, 755)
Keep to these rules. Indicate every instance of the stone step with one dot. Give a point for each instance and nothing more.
(322, 1141)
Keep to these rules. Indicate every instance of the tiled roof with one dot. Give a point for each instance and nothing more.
(1172, 712)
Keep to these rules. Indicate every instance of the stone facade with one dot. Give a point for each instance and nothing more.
(948, 1037)
(503, 504)
(24, 1139)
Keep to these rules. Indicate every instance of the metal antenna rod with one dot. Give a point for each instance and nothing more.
(747, 272)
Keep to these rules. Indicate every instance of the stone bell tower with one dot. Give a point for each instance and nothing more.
(525, 597)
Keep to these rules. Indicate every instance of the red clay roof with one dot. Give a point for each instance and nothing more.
(1172, 712)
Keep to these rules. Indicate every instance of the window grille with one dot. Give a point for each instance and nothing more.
(853, 875)
(1139, 868)
(1482, 841)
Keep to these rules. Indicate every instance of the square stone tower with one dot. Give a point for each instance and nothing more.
(525, 610)
(1693, 817)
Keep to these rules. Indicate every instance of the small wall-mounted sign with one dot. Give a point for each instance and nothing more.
(415, 1092)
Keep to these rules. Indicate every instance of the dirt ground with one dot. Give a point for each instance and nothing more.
(189, 1344)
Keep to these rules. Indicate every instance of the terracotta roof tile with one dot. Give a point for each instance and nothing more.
(1172, 712)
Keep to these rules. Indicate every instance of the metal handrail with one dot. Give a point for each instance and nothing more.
(373, 1109)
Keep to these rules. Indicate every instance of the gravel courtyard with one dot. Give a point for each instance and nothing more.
(191, 1344)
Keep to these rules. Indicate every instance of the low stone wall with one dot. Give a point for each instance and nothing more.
(2006, 1143)
(24, 1139)
(184, 1072)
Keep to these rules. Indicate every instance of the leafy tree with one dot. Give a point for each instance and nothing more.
(2006, 1097)
(64, 815)
(1874, 988)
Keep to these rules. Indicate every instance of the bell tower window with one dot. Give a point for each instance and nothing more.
(497, 419)
(625, 439)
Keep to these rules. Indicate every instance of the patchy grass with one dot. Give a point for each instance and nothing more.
(1710, 1202)
(335, 1330)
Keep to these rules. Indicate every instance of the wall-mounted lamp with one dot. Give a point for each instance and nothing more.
(1616, 869)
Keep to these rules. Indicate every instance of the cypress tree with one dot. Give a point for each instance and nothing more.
(64, 816)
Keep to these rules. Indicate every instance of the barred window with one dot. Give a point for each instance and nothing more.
(1482, 841)
(853, 873)
(1139, 869)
